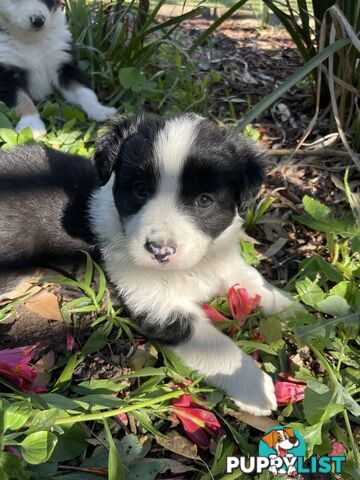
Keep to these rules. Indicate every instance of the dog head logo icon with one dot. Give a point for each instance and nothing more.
(282, 445)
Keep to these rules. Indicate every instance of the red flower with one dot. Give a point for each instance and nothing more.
(123, 418)
(256, 336)
(289, 392)
(240, 304)
(198, 421)
(337, 449)
(14, 367)
(213, 315)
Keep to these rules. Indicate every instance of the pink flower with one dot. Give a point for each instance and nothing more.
(14, 367)
(240, 304)
(123, 418)
(289, 392)
(213, 315)
(337, 449)
(256, 336)
(198, 422)
(70, 341)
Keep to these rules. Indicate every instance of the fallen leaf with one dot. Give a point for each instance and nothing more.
(26, 286)
(46, 305)
(145, 355)
(176, 443)
(42, 367)
(260, 423)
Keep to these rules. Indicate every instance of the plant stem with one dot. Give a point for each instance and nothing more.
(351, 437)
(111, 413)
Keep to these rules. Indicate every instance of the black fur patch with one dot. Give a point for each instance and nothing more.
(51, 4)
(11, 81)
(71, 73)
(227, 170)
(44, 198)
(177, 329)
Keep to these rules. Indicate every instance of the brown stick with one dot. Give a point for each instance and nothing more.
(321, 152)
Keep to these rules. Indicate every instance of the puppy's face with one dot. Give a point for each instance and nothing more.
(28, 15)
(178, 183)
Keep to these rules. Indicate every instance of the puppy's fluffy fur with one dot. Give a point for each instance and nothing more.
(36, 56)
(166, 220)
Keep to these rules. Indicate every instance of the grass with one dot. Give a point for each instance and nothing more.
(123, 424)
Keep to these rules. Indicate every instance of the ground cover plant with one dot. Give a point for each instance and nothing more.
(83, 395)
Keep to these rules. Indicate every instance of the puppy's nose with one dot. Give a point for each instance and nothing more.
(37, 21)
(161, 252)
(293, 440)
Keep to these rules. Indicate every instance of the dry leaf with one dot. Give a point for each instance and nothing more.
(46, 305)
(176, 443)
(24, 287)
(260, 423)
(145, 355)
(43, 366)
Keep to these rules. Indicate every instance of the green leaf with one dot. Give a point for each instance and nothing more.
(224, 449)
(66, 375)
(5, 122)
(323, 329)
(17, 414)
(316, 266)
(9, 136)
(147, 470)
(270, 329)
(11, 468)
(131, 78)
(38, 447)
(116, 468)
(344, 398)
(94, 343)
(311, 435)
(72, 443)
(90, 387)
(309, 292)
(318, 403)
(316, 209)
(131, 449)
(334, 305)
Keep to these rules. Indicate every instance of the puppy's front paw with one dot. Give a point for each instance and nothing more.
(256, 395)
(34, 122)
(251, 389)
(100, 113)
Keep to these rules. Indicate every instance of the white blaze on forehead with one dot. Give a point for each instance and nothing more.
(171, 147)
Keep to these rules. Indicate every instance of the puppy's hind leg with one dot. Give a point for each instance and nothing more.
(13, 94)
(29, 115)
(73, 85)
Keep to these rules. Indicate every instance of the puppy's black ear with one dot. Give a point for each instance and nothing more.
(250, 173)
(108, 147)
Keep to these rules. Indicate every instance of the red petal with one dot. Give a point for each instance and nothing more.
(213, 315)
(287, 392)
(70, 341)
(19, 355)
(240, 304)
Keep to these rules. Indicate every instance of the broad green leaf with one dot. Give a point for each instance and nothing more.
(5, 122)
(131, 449)
(316, 209)
(344, 398)
(16, 415)
(9, 136)
(324, 328)
(38, 447)
(311, 435)
(146, 470)
(318, 403)
(90, 387)
(66, 375)
(72, 443)
(334, 305)
(270, 328)
(131, 78)
(316, 266)
(11, 468)
(309, 292)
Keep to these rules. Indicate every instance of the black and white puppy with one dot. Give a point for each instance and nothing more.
(166, 220)
(36, 56)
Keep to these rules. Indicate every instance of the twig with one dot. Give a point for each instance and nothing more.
(321, 152)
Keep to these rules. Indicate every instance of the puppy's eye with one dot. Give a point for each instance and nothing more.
(204, 201)
(141, 190)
